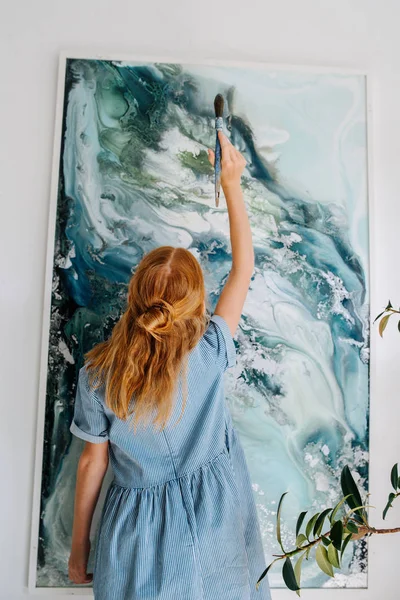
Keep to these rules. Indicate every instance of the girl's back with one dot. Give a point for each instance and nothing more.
(151, 457)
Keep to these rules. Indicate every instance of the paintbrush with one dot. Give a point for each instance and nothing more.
(219, 122)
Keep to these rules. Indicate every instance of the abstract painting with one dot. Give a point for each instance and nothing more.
(133, 174)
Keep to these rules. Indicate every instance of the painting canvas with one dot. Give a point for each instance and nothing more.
(131, 174)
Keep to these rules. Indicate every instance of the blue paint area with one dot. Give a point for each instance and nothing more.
(133, 177)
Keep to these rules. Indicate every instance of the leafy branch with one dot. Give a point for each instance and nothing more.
(394, 476)
(395, 481)
(385, 316)
(346, 523)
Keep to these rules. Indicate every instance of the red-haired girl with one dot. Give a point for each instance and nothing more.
(179, 520)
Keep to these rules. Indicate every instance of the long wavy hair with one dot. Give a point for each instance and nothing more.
(145, 359)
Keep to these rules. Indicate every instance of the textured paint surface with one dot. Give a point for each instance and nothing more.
(133, 175)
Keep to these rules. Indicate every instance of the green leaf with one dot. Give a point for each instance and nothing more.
(385, 510)
(333, 556)
(308, 552)
(379, 316)
(350, 489)
(346, 541)
(297, 571)
(383, 323)
(278, 522)
(352, 527)
(389, 306)
(398, 483)
(320, 522)
(394, 476)
(360, 520)
(389, 504)
(321, 556)
(288, 575)
(265, 572)
(300, 522)
(301, 538)
(337, 507)
(325, 540)
(337, 534)
(310, 525)
(398, 327)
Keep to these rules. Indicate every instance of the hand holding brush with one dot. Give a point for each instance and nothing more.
(232, 164)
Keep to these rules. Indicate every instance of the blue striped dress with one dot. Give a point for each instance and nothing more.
(179, 520)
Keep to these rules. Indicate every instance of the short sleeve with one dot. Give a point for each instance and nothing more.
(220, 342)
(90, 422)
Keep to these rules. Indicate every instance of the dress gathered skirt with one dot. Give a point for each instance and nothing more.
(179, 520)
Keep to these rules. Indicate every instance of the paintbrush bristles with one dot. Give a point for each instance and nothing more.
(219, 105)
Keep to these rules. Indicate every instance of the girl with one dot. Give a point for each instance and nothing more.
(179, 520)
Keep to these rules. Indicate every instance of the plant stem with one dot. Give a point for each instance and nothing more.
(393, 530)
(362, 532)
(302, 548)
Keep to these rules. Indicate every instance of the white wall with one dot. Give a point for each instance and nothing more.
(352, 33)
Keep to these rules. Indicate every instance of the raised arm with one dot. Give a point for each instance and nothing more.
(233, 295)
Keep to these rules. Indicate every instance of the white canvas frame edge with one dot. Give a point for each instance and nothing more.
(279, 594)
(35, 520)
(92, 55)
